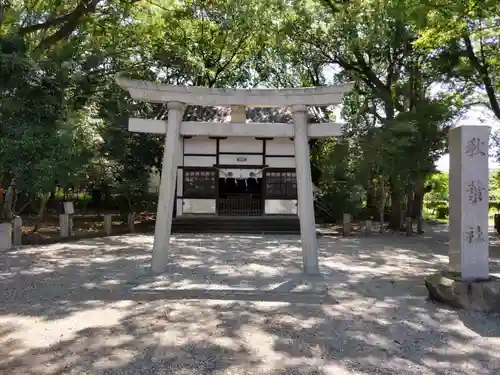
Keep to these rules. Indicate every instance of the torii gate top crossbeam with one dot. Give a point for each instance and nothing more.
(203, 96)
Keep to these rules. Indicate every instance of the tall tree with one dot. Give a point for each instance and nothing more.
(43, 140)
(465, 36)
(372, 41)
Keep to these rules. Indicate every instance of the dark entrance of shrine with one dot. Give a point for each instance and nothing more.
(240, 197)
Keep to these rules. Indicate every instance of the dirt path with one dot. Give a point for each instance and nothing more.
(237, 305)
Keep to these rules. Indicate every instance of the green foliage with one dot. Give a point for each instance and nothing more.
(41, 138)
(494, 186)
(464, 37)
(340, 192)
(436, 200)
(390, 113)
(215, 43)
(63, 120)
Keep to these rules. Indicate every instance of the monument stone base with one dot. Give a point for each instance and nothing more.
(448, 288)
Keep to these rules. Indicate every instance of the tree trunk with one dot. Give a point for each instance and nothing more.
(418, 203)
(410, 201)
(383, 197)
(23, 207)
(52, 199)
(1, 198)
(8, 204)
(41, 211)
(403, 220)
(408, 211)
(371, 208)
(395, 223)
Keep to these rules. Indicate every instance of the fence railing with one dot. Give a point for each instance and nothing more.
(240, 205)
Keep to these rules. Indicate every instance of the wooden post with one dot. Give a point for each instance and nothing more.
(347, 225)
(64, 225)
(130, 222)
(409, 226)
(108, 220)
(17, 231)
(368, 227)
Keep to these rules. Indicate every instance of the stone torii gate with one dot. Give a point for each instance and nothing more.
(178, 97)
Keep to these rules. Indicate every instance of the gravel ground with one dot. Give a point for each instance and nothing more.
(237, 305)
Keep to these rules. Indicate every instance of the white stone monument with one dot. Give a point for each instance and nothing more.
(468, 197)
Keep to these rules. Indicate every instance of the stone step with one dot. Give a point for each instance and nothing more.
(235, 225)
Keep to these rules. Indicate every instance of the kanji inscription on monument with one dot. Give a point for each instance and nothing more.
(476, 191)
(475, 146)
(468, 198)
(474, 234)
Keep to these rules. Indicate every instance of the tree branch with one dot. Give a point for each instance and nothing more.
(52, 22)
(383, 90)
(4, 7)
(333, 4)
(70, 23)
(483, 72)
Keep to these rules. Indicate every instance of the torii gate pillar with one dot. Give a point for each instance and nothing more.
(171, 159)
(305, 191)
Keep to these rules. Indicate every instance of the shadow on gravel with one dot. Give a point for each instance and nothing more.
(230, 305)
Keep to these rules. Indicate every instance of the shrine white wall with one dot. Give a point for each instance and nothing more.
(240, 159)
(198, 206)
(232, 153)
(280, 162)
(280, 207)
(199, 161)
(280, 146)
(244, 151)
(200, 145)
(280, 153)
(241, 144)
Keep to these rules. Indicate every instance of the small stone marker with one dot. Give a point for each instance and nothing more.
(64, 225)
(468, 252)
(66, 220)
(409, 226)
(108, 219)
(130, 222)
(17, 231)
(5, 236)
(368, 227)
(347, 225)
(69, 208)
